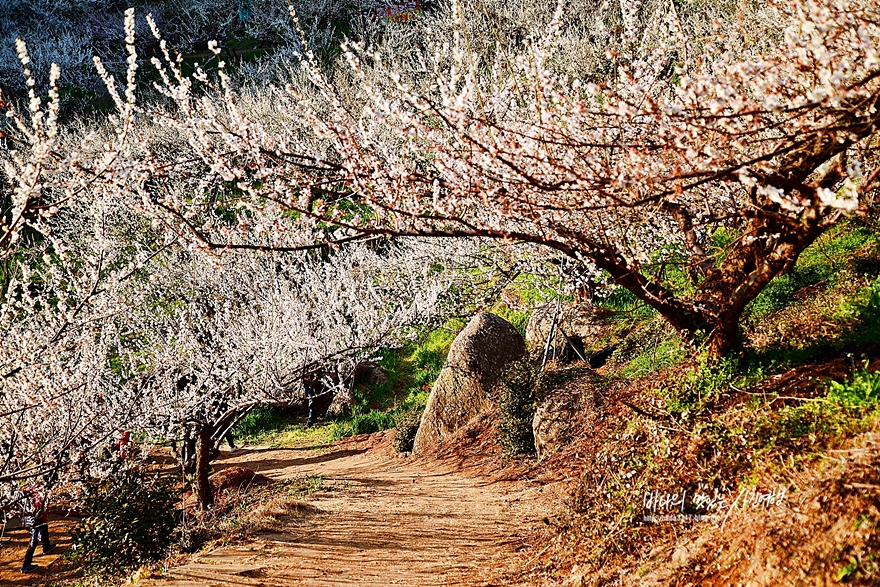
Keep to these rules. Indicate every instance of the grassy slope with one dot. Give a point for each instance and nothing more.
(775, 417)
(411, 371)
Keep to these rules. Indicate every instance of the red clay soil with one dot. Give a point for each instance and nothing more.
(236, 478)
(53, 567)
(827, 525)
(381, 519)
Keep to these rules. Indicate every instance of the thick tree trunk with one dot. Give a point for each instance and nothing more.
(721, 340)
(770, 245)
(203, 460)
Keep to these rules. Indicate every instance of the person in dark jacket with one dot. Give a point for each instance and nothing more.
(33, 516)
(319, 394)
(311, 382)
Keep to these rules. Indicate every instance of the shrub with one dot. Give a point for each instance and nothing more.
(516, 404)
(407, 425)
(696, 389)
(848, 407)
(861, 392)
(131, 521)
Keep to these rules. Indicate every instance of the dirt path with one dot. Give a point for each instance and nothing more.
(380, 521)
(13, 544)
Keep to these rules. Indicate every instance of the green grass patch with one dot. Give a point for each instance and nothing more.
(519, 320)
(694, 392)
(848, 408)
(655, 358)
(297, 435)
(824, 260)
(261, 424)
(412, 371)
(372, 421)
(625, 306)
(859, 317)
(863, 312)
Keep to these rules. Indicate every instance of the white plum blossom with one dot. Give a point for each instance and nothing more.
(238, 234)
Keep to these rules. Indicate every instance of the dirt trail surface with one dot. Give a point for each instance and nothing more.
(379, 520)
(14, 543)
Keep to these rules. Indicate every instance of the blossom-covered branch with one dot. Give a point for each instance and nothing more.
(683, 139)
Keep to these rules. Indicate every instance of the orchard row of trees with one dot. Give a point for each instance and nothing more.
(179, 346)
(196, 251)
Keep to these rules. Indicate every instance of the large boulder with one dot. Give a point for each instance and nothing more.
(585, 325)
(553, 423)
(561, 412)
(476, 359)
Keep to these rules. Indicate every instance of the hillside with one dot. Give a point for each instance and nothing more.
(453, 292)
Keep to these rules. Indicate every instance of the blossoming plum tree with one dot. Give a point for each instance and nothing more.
(110, 323)
(775, 143)
(218, 341)
(181, 346)
(683, 138)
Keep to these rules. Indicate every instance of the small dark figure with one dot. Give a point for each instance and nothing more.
(312, 392)
(221, 409)
(33, 517)
(319, 394)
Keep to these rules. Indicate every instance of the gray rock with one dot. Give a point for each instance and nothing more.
(368, 374)
(476, 359)
(552, 424)
(583, 323)
(341, 405)
(367, 377)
